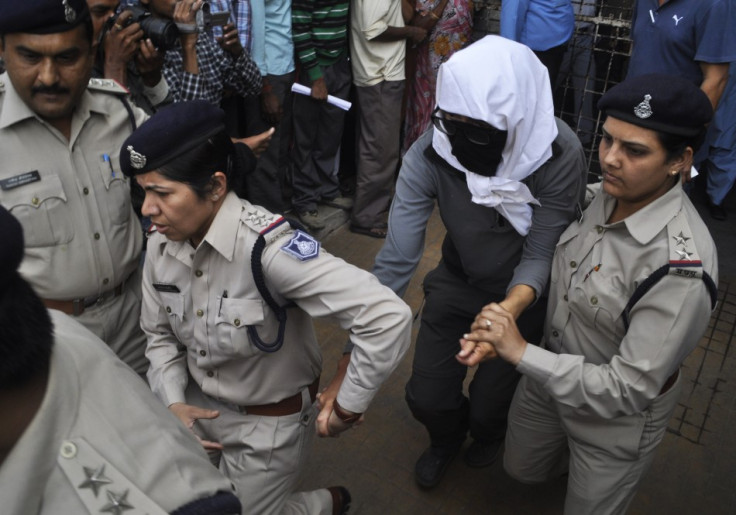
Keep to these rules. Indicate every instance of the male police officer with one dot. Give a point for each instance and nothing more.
(59, 141)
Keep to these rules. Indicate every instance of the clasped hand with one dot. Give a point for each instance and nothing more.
(493, 333)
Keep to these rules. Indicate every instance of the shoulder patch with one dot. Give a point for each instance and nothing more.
(302, 246)
(107, 86)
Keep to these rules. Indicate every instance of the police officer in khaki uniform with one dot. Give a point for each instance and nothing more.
(60, 175)
(81, 433)
(633, 284)
(228, 294)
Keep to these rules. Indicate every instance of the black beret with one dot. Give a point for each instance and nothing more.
(664, 103)
(11, 250)
(171, 132)
(41, 16)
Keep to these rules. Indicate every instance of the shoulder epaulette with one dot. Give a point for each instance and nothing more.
(271, 227)
(107, 86)
(684, 261)
(99, 485)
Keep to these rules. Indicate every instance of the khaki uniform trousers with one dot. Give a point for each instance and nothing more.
(117, 322)
(607, 458)
(263, 456)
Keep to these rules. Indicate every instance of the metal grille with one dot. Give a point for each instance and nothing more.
(596, 59)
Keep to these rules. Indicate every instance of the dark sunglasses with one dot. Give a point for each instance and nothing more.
(474, 133)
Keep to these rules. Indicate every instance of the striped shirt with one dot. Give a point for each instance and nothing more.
(319, 30)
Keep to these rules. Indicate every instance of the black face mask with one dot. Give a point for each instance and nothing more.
(480, 159)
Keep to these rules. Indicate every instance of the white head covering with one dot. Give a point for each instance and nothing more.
(502, 83)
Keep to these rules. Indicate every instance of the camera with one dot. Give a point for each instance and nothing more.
(162, 33)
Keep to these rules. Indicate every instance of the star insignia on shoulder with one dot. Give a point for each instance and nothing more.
(118, 503)
(258, 218)
(684, 254)
(95, 479)
(681, 239)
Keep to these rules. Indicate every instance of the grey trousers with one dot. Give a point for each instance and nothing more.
(268, 179)
(607, 457)
(379, 125)
(263, 456)
(317, 134)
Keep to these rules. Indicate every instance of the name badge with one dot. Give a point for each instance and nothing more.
(166, 288)
(20, 180)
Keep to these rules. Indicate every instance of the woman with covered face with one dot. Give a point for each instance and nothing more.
(229, 290)
(507, 177)
(633, 284)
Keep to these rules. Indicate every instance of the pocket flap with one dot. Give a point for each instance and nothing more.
(240, 312)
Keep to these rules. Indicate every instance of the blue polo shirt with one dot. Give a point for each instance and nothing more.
(674, 37)
(538, 24)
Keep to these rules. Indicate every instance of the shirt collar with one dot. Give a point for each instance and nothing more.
(223, 232)
(221, 235)
(649, 221)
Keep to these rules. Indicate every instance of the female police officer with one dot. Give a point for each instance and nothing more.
(227, 297)
(633, 283)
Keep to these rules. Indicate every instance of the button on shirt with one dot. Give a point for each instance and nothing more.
(78, 222)
(593, 364)
(215, 348)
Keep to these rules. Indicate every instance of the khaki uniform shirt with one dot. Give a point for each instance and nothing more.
(82, 237)
(198, 302)
(100, 438)
(593, 365)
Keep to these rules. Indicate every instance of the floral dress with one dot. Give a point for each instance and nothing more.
(451, 33)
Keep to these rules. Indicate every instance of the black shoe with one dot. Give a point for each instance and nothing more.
(482, 454)
(340, 499)
(717, 212)
(432, 465)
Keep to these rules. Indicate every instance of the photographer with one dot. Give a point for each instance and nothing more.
(127, 54)
(197, 67)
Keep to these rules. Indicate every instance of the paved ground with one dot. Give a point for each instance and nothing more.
(694, 471)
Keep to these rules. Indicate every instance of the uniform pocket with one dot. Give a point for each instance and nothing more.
(233, 318)
(117, 187)
(42, 209)
(173, 304)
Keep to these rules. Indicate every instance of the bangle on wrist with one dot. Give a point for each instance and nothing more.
(433, 15)
(346, 417)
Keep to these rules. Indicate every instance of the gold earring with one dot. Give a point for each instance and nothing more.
(674, 172)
